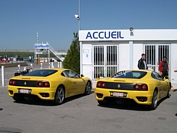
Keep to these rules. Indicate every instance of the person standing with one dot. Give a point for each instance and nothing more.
(142, 62)
(163, 67)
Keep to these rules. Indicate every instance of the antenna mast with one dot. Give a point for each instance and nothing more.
(37, 36)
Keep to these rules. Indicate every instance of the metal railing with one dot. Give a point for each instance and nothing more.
(55, 52)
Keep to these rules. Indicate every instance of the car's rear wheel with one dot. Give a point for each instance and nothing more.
(19, 98)
(59, 95)
(102, 103)
(168, 93)
(88, 88)
(153, 105)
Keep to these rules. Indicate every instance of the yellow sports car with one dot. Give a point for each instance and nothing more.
(49, 84)
(143, 86)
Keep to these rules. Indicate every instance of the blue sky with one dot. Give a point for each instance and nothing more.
(55, 22)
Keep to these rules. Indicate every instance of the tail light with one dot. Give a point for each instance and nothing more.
(101, 84)
(141, 87)
(12, 82)
(144, 87)
(137, 86)
(43, 84)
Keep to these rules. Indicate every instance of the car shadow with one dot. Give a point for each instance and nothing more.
(39, 102)
(130, 105)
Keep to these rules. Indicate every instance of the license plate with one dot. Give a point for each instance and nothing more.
(118, 94)
(24, 91)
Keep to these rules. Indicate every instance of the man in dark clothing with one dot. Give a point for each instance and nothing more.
(163, 67)
(142, 62)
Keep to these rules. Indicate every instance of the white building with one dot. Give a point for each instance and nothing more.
(105, 52)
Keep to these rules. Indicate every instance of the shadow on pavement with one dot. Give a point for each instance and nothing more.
(39, 102)
(129, 105)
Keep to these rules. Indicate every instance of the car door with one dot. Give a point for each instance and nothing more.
(164, 85)
(155, 75)
(69, 85)
(78, 82)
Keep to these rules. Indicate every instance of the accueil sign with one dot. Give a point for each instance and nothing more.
(104, 35)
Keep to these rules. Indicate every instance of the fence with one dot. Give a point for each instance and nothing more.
(19, 68)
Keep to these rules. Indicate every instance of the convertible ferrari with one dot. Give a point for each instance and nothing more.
(143, 86)
(49, 84)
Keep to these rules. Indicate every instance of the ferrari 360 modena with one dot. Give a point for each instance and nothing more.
(49, 84)
(145, 87)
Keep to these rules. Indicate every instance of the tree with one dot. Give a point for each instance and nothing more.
(72, 59)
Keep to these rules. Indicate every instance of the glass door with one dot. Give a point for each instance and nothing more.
(154, 54)
(105, 60)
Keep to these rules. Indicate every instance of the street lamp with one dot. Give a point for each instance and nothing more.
(77, 16)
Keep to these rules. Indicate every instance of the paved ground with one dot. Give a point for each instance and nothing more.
(82, 114)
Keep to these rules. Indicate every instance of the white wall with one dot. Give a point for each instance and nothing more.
(87, 60)
(124, 61)
(124, 58)
(139, 34)
(173, 65)
(137, 51)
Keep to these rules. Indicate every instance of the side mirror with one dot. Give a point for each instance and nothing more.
(82, 75)
(166, 77)
(16, 74)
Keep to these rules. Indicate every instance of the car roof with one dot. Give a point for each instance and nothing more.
(140, 70)
(58, 69)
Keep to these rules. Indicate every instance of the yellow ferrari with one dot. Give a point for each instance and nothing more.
(49, 84)
(143, 86)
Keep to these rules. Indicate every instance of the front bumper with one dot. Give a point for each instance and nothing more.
(42, 93)
(140, 97)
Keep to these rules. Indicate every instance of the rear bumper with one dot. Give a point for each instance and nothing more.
(42, 93)
(140, 97)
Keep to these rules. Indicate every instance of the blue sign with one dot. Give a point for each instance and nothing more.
(41, 46)
(86, 55)
(104, 35)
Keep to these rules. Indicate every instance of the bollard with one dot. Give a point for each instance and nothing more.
(31, 67)
(61, 65)
(2, 74)
(49, 64)
(52, 65)
(19, 68)
(58, 65)
(41, 65)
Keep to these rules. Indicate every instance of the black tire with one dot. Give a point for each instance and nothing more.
(102, 103)
(154, 103)
(19, 98)
(59, 95)
(168, 93)
(88, 88)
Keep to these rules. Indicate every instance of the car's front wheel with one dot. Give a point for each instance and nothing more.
(153, 105)
(88, 88)
(59, 95)
(168, 93)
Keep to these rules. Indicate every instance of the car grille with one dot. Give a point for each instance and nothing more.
(119, 86)
(26, 83)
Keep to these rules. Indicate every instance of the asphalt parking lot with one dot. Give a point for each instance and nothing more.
(82, 114)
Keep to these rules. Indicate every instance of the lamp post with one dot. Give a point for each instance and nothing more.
(77, 16)
(131, 48)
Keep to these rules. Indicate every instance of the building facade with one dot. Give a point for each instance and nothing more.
(104, 52)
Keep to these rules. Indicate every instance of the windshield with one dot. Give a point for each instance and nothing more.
(130, 74)
(42, 73)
